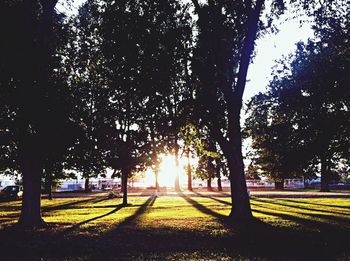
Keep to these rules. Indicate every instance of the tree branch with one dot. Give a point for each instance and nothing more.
(248, 48)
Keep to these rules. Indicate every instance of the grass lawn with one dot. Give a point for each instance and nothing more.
(176, 227)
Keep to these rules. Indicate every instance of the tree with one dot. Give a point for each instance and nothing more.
(302, 122)
(84, 63)
(252, 172)
(189, 134)
(38, 120)
(227, 32)
(142, 43)
(277, 151)
(225, 44)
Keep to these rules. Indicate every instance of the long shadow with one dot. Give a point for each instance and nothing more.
(70, 204)
(318, 204)
(120, 206)
(212, 198)
(290, 204)
(61, 206)
(202, 208)
(264, 226)
(325, 216)
(311, 223)
(141, 210)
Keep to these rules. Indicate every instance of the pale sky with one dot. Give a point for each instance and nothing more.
(273, 47)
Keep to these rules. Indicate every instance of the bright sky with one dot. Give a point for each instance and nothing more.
(273, 47)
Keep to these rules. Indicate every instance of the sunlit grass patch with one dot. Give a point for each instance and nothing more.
(180, 227)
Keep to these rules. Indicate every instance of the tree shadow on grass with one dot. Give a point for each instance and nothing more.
(307, 221)
(76, 226)
(202, 208)
(213, 198)
(302, 221)
(281, 237)
(74, 203)
(127, 239)
(319, 204)
(244, 229)
(128, 220)
(317, 208)
(250, 228)
(326, 216)
(140, 211)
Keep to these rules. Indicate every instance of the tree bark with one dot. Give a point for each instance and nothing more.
(209, 187)
(240, 199)
(239, 194)
(86, 188)
(125, 175)
(218, 173)
(324, 175)
(219, 183)
(35, 81)
(189, 171)
(177, 164)
(32, 171)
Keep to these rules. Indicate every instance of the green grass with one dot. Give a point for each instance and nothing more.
(182, 227)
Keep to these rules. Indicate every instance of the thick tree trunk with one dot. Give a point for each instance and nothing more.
(324, 175)
(87, 187)
(219, 183)
(239, 195)
(35, 79)
(32, 171)
(177, 164)
(189, 171)
(125, 175)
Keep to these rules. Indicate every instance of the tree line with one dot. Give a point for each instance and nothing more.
(124, 81)
(300, 125)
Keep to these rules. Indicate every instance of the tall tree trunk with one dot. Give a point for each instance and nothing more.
(209, 187)
(121, 185)
(324, 175)
(125, 175)
(240, 199)
(189, 171)
(87, 182)
(239, 194)
(35, 81)
(218, 173)
(32, 171)
(219, 183)
(177, 164)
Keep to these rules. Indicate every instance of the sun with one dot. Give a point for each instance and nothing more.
(168, 171)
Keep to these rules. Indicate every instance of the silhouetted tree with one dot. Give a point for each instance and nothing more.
(36, 100)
